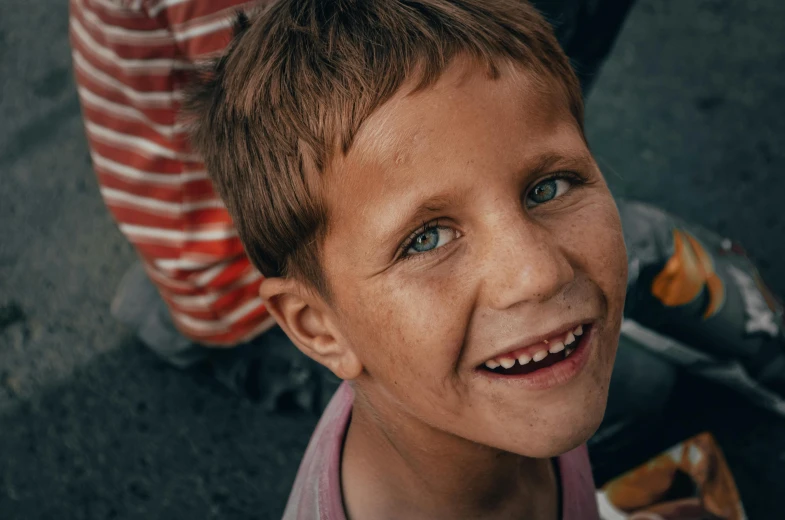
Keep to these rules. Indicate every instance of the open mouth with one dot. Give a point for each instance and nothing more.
(533, 358)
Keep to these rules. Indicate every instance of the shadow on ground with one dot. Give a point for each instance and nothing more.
(127, 437)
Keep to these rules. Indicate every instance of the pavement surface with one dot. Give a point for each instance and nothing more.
(687, 114)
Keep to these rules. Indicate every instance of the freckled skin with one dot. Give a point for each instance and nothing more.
(513, 272)
(422, 326)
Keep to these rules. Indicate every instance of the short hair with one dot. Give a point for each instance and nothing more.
(300, 78)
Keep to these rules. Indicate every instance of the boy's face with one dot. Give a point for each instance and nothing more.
(469, 222)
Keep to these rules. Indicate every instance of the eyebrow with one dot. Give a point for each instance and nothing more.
(426, 209)
(547, 161)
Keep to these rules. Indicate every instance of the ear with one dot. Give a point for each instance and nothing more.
(311, 325)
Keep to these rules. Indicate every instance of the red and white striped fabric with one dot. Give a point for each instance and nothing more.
(131, 59)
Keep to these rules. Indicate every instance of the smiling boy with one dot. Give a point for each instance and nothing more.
(412, 179)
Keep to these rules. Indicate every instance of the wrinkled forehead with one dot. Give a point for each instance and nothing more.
(394, 129)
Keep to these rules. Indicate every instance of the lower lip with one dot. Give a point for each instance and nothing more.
(554, 375)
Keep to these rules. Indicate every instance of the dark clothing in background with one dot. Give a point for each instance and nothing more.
(587, 30)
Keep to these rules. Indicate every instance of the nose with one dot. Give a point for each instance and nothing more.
(523, 263)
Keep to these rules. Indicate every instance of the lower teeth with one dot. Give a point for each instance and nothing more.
(568, 351)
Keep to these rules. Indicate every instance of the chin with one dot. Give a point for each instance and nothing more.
(567, 432)
(555, 447)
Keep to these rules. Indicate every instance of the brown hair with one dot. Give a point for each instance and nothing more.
(300, 78)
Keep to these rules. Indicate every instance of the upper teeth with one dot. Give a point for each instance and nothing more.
(540, 355)
(554, 348)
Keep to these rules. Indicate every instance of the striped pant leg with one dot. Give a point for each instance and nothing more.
(131, 59)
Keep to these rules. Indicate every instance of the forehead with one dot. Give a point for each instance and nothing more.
(415, 144)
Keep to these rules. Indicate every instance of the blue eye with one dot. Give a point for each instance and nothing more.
(548, 190)
(431, 238)
(426, 241)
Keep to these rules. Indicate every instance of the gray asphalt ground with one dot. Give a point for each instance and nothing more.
(689, 114)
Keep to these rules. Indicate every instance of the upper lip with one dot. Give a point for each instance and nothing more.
(536, 339)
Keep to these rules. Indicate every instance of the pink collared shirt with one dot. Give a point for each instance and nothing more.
(316, 494)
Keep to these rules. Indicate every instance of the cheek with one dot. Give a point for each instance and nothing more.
(408, 339)
(410, 330)
(597, 245)
(597, 249)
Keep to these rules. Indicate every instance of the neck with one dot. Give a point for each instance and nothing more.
(411, 470)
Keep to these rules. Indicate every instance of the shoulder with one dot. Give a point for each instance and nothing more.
(316, 493)
(578, 492)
